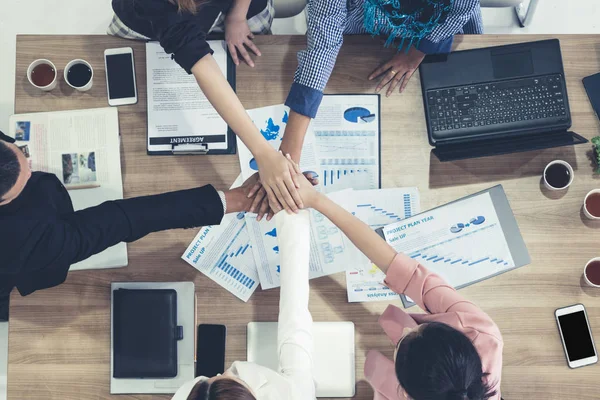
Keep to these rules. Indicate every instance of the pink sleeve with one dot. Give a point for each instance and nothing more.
(427, 289)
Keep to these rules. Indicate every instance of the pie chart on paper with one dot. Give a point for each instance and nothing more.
(358, 115)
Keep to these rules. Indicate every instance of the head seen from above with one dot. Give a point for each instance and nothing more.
(14, 172)
(438, 362)
(190, 6)
(221, 387)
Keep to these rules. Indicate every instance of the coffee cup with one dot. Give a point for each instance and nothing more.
(591, 272)
(42, 74)
(78, 74)
(558, 175)
(591, 204)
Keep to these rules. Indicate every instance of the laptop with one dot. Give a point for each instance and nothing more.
(334, 356)
(497, 100)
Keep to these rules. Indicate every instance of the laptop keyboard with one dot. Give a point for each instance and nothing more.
(489, 106)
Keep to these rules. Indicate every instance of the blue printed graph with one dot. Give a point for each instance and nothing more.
(225, 265)
(356, 178)
(272, 233)
(436, 254)
(276, 249)
(472, 222)
(435, 258)
(271, 130)
(358, 115)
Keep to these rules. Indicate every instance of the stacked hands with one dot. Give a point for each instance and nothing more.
(256, 197)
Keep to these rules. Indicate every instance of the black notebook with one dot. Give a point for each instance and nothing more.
(145, 333)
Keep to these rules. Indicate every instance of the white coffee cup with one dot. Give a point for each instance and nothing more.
(585, 210)
(85, 87)
(571, 173)
(585, 273)
(34, 64)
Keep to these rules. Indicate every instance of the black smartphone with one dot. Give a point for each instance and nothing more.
(210, 350)
(592, 87)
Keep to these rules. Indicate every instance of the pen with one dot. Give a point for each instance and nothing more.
(77, 187)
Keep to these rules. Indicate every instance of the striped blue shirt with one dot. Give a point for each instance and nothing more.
(330, 20)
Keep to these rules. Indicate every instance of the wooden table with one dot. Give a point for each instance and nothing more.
(59, 338)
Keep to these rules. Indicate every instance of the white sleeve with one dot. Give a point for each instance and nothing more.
(294, 336)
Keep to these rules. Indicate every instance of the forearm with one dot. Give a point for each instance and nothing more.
(295, 131)
(143, 215)
(239, 9)
(294, 337)
(218, 91)
(363, 237)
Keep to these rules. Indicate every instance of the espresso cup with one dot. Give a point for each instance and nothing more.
(591, 204)
(42, 74)
(555, 164)
(79, 75)
(591, 272)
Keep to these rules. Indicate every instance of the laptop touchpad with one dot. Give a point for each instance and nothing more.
(509, 65)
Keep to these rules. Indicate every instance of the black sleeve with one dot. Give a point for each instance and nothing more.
(81, 234)
(180, 33)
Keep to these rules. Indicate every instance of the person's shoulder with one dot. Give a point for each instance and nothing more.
(482, 323)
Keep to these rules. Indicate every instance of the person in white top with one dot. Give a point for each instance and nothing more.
(294, 379)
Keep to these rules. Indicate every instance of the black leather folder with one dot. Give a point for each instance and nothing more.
(145, 333)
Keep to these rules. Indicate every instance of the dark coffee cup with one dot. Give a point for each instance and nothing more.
(591, 272)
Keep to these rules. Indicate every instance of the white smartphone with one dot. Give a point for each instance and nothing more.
(120, 76)
(576, 336)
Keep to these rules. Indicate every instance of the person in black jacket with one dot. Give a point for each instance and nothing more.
(41, 235)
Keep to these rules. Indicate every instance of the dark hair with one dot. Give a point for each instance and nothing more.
(9, 168)
(440, 363)
(221, 389)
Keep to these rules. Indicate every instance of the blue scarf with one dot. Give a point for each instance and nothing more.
(411, 20)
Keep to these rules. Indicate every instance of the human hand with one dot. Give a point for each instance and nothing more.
(401, 65)
(279, 181)
(238, 37)
(239, 199)
(306, 185)
(260, 203)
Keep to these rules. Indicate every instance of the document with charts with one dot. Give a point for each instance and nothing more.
(463, 242)
(224, 254)
(347, 132)
(329, 248)
(376, 208)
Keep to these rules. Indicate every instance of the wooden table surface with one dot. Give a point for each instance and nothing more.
(59, 338)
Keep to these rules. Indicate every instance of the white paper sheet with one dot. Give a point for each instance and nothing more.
(462, 242)
(377, 208)
(346, 130)
(178, 112)
(224, 254)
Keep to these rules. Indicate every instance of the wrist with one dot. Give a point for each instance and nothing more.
(235, 16)
(287, 147)
(262, 149)
(319, 202)
(236, 200)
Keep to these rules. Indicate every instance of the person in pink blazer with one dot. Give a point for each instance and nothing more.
(452, 352)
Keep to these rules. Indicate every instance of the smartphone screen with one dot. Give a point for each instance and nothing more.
(210, 350)
(577, 336)
(592, 87)
(119, 73)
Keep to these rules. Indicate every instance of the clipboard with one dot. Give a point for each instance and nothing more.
(186, 145)
(509, 226)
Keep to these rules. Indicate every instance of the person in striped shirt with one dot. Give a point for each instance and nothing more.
(415, 27)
